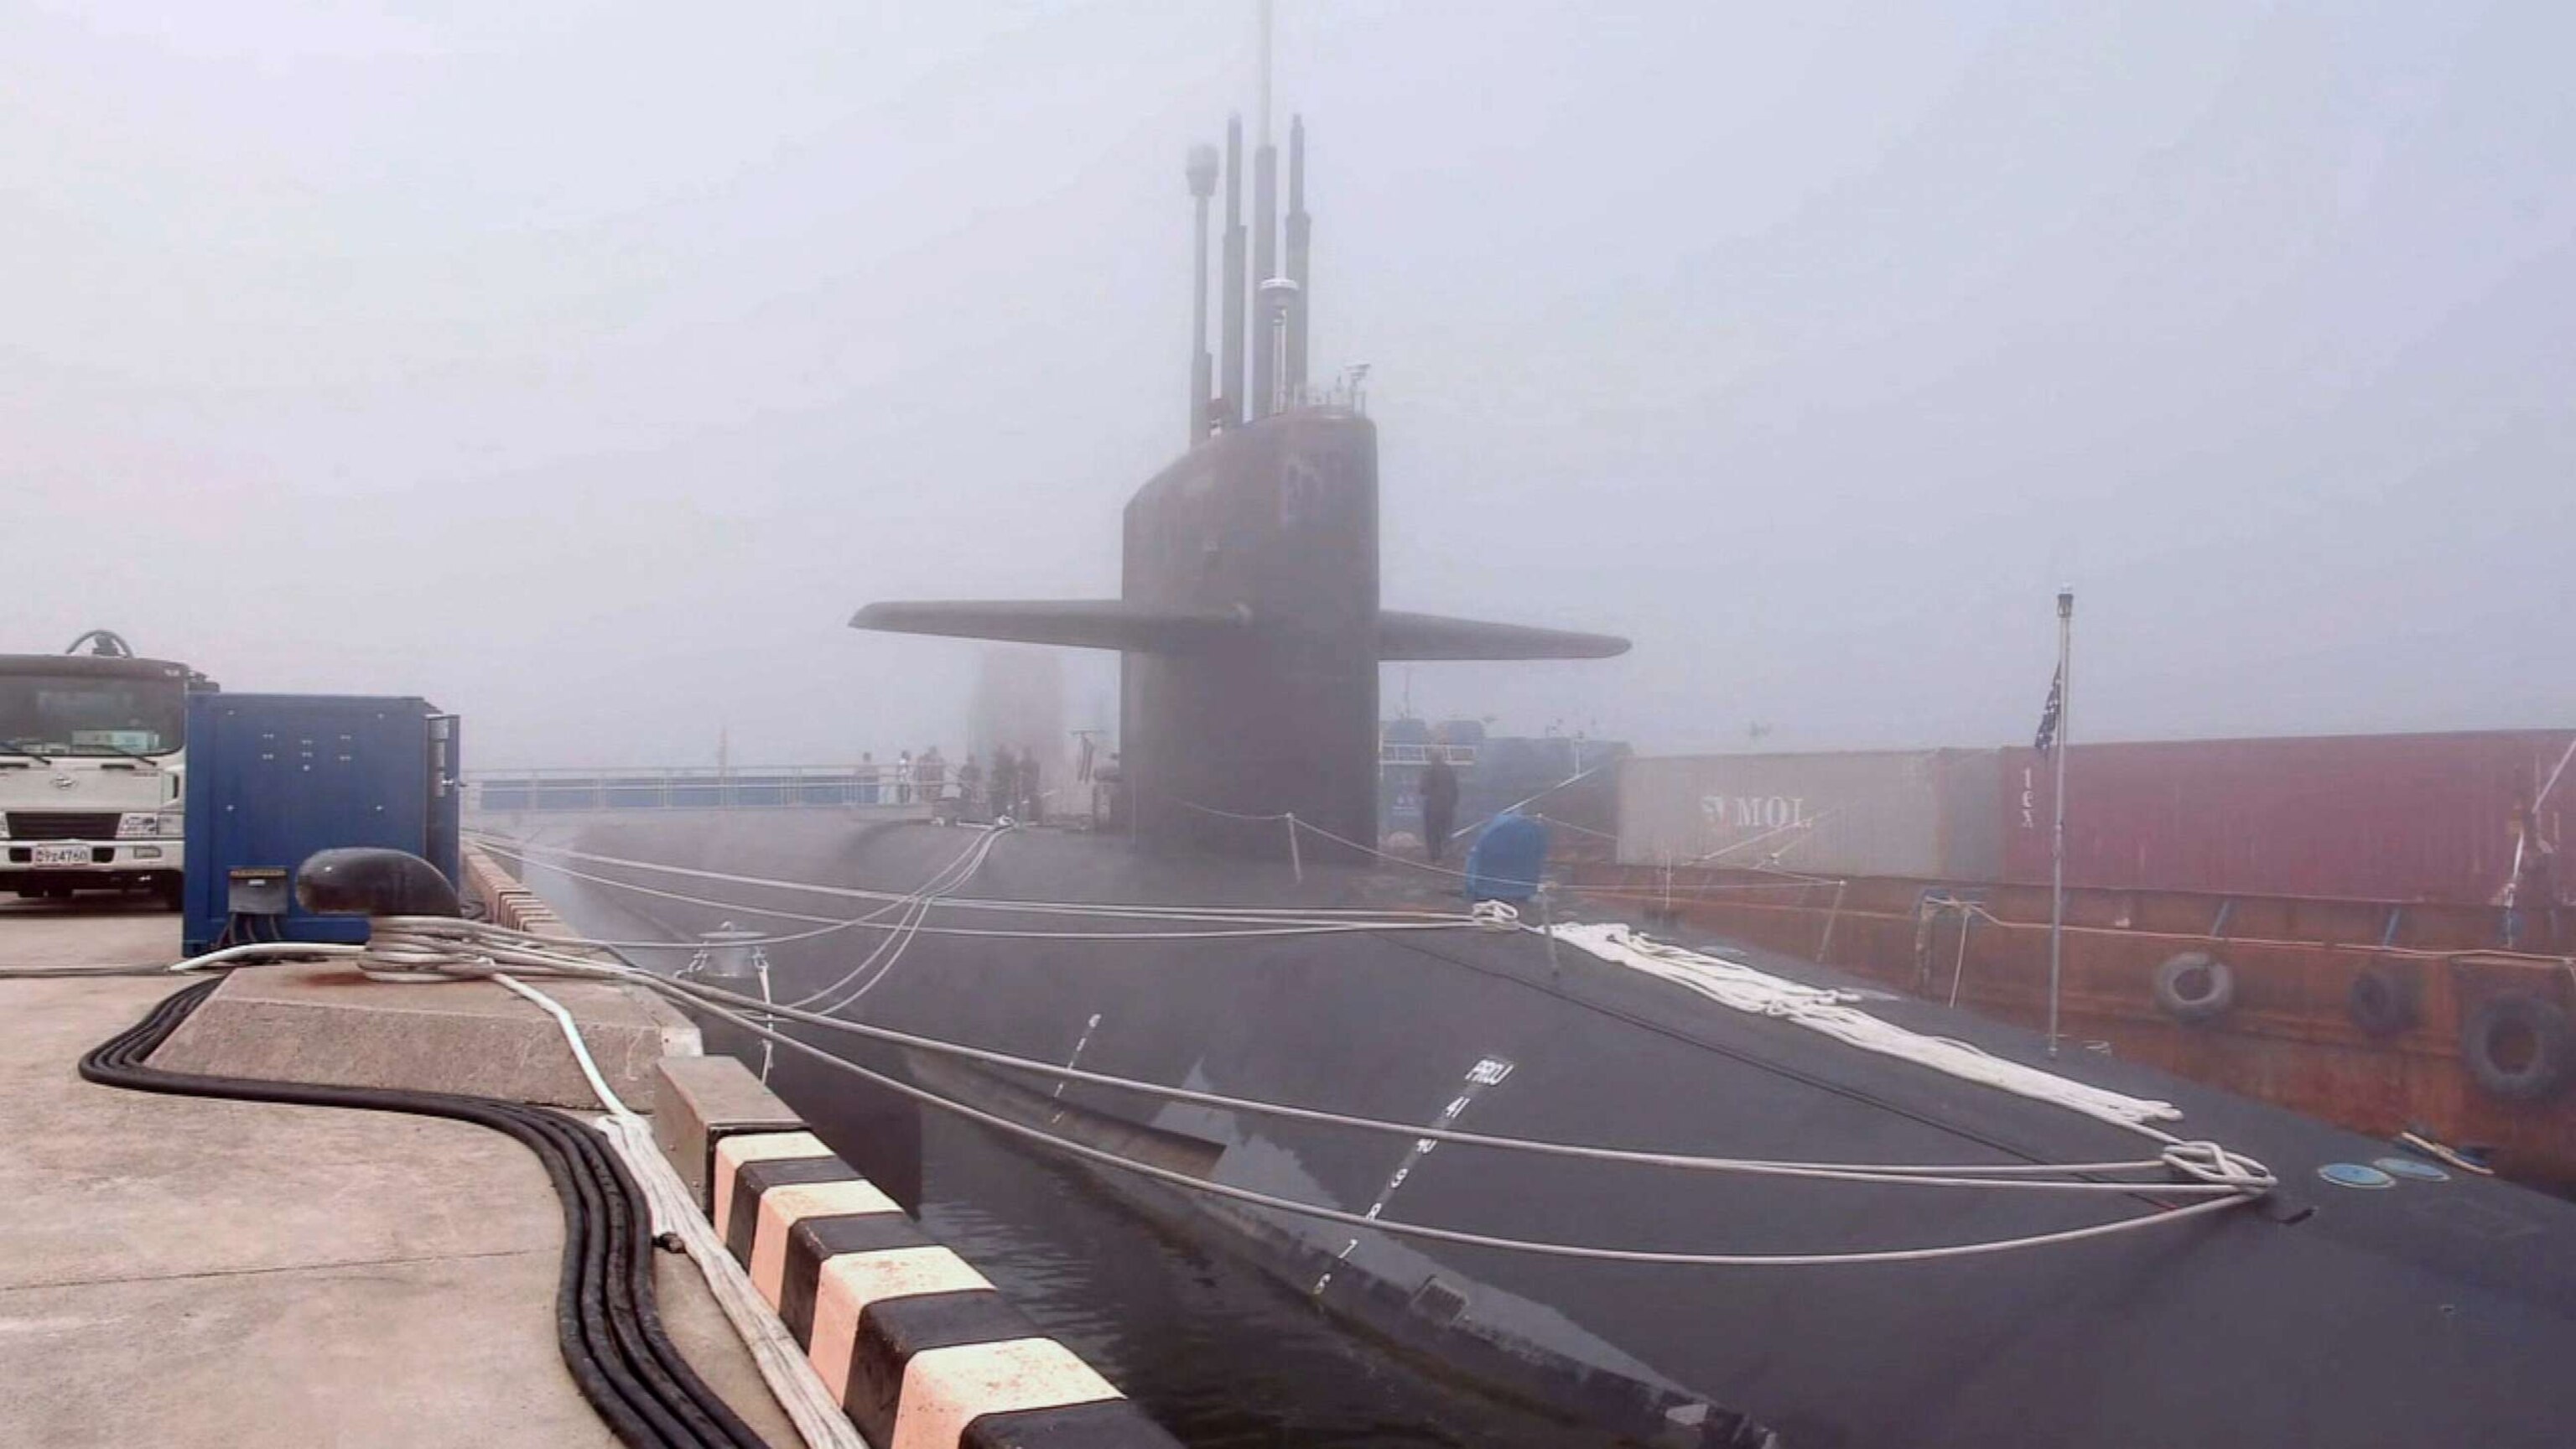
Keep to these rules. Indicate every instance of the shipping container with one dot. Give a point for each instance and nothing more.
(1923, 813)
(2424, 817)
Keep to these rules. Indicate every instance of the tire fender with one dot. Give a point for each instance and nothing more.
(2386, 998)
(2194, 986)
(2519, 1047)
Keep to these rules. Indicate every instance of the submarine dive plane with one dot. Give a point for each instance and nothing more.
(1933, 1232)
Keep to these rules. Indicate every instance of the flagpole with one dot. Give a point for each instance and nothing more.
(2057, 834)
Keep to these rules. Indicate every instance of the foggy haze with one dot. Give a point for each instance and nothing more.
(583, 367)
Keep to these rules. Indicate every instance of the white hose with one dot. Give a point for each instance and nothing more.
(781, 1361)
(572, 1033)
(265, 953)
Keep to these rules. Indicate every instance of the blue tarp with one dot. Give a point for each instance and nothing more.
(1507, 859)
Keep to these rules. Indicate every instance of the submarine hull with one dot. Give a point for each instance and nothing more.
(2425, 1311)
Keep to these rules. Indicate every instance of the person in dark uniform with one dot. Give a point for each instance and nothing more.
(1439, 801)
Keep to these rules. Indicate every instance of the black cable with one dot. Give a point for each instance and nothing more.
(45, 973)
(606, 1324)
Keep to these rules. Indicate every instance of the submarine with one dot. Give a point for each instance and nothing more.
(1878, 1267)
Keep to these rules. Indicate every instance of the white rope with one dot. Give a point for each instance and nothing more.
(1407, 862)
(2414, 953)
(409, 934)
(783, 1366)
(1576, 778)
(1267, 922)
(2222, 1178)
(2195, 1160)
(1311, 828)
(1742, 988)
(1788, 882)
(1283, 927)
(546, 854)
(917, 909)
(419, 932)
(1545, 1248)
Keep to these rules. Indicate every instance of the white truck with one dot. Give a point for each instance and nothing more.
(92, 770)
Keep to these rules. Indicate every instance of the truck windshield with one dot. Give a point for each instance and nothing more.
(46, 715)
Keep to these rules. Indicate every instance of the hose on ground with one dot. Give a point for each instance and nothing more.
(606, 1323)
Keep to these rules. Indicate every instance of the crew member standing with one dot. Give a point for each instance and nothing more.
(1439, 802)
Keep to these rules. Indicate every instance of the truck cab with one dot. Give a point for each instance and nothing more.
(92, 773)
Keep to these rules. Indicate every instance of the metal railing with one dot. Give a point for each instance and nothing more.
(503, 792)
(1347, 392)
(1408, 754)
(886, 785)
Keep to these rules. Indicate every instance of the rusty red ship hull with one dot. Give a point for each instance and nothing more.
(2291, 1037)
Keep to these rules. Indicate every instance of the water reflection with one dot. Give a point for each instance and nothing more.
(1219, 1353)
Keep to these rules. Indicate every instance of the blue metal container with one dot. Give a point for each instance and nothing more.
(272, 778)
(1508, 860)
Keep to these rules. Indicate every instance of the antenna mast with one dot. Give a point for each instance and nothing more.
(1265, 243)
(1201, 171)
(1263, 134)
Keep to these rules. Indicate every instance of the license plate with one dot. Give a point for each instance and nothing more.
(62, 855)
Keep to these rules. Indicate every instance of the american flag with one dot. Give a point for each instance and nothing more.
(2047, 738)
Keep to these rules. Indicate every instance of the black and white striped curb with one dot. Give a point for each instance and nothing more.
(919, 1349)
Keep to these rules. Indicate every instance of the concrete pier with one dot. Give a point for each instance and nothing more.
(328, 1023)
(198, 1274)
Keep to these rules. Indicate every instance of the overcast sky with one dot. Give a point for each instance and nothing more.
(582, 366)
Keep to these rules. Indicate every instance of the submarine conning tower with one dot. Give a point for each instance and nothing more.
(1248, 618)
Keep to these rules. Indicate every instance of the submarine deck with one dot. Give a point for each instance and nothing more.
(2323, 1313)
(187, 1272)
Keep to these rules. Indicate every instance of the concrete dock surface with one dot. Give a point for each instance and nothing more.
(199, 1274)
